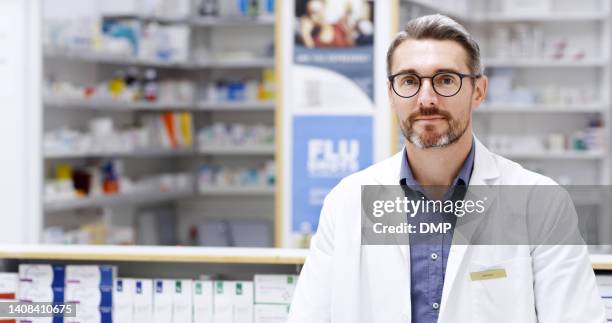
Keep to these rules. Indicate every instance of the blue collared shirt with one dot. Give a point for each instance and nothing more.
(428, 260)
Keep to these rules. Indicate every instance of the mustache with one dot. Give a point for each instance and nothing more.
(428, 112)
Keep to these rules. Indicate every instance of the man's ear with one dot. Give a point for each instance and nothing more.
(480, 90)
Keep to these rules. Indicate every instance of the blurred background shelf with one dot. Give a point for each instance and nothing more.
(115, 200)
(541, 108)
(115, 105)
(235, 191)
(564, 155)
(236, 106)
(544, 63)
(132, 154)
(238, 150)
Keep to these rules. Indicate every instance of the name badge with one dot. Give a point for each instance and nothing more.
(488, 274)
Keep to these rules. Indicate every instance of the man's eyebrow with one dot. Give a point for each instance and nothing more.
(440, 70)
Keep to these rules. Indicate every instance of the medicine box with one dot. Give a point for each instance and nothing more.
(101, 314)
(90, 275)
(9, 283)
(90, 296)
(223, 302)
(182, 304)
(143, 301)
(123, 300)
(271, 313)
(202, 301)
(29, 292)
(162, 300)
(274, 289)
(47, 275)
(243, 302)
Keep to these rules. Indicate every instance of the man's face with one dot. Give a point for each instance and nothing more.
(429, 120)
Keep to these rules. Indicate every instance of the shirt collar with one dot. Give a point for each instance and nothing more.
(463, 178)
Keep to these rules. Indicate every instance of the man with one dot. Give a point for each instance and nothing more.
(435, 83)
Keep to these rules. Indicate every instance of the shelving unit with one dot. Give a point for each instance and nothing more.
(114, 200)
(189, 208)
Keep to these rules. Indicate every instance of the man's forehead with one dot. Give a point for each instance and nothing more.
(428, 55)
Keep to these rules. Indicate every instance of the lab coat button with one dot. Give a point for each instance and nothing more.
(405, 318)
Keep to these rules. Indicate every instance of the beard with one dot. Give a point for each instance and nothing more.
(429, 138)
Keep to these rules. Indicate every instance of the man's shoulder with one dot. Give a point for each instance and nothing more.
(513, 173)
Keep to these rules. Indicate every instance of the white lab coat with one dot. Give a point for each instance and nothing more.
(343, 281)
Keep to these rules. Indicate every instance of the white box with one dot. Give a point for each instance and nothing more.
(182, 304)
(9, 283)
(123, 300)
(271, 313)
(274, 289)
(86, 314)
(48, 275)
(243, 302)
(162, 300)
(90, 275)
(143, 301)
(223, 302)
(90, 296)
(29, 292)
(202, 301)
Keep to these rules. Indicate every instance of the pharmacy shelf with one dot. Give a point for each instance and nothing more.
(502, 17)
(229, 21)
(114, 105)
(232, 21)
(109, 154)
(601, 261)
(236, 191)
(542, 62)
(96, 57)
(237, 106)
(541, 108)
(227, 63)
(563, 155)
(270, 256)
(114, 200)
(237, 150)
(551, 17)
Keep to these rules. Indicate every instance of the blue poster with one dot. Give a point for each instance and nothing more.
(325, 149)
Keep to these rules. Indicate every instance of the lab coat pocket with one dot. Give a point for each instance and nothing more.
(503, 291)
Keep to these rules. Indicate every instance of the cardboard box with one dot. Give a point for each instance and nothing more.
(90, 296)
(162, 300)
(271, 313)
(202, 301)
(274, 289)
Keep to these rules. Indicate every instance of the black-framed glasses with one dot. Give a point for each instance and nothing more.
(447, 84)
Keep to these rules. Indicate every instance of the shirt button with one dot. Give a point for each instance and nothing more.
(434, 256)
(435, 306)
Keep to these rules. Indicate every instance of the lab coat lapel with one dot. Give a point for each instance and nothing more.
(483, 175)
(390, 175)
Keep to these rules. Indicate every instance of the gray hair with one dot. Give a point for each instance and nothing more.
(438, 27)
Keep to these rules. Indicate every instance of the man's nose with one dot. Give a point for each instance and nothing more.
(427, 97)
